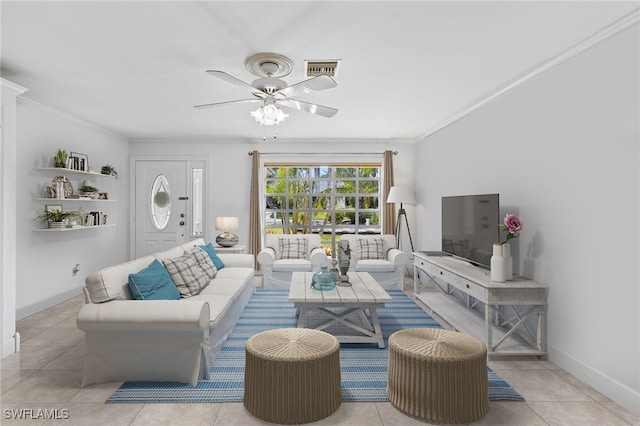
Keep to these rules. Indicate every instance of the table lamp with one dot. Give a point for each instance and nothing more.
(226, 224)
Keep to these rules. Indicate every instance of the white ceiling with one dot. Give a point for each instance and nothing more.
(137, 68)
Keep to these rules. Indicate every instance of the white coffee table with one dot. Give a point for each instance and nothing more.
(342, 306)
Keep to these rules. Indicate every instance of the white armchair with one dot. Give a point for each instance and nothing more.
(378, 255)
(284, 254)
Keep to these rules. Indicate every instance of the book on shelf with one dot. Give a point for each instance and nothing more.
(95, 218)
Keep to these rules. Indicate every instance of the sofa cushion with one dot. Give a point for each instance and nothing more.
(211, 251)
(191, 272)
(370, 248)
(293, 248)
(111, 283)
(218, 305)
(153, 283)
(375, 265)
(191, 244)
(292, 265)
(224, 286)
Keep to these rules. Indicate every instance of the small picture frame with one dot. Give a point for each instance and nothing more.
(103, 195)
(53, 207)
(79, 161)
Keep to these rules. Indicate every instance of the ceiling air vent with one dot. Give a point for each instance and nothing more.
(316, 68)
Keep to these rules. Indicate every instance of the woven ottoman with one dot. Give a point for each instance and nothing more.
(292, 375)
(438, 375)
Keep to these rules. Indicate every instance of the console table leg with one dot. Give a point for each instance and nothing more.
(542, 328)
(488, 310)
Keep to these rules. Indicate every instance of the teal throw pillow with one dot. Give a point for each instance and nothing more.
(153, 283)
(211, 251)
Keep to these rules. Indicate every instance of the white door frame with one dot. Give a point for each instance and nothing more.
(191, 161)
(10, 92)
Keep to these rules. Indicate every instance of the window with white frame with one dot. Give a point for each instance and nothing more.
(327, 199)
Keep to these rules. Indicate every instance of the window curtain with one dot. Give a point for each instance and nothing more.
(255, 233)
(389, 209)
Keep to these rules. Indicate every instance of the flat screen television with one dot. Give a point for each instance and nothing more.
(470, 226)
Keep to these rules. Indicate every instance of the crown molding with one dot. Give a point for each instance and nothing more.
(6, 84)
(70, 117)
(603, 34)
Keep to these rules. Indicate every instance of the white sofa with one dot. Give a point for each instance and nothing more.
(160, 340)
(388, 269)
(278, 264)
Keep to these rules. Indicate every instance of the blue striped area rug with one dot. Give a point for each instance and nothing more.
(363, 367)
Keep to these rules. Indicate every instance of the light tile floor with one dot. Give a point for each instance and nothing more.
(46, 374)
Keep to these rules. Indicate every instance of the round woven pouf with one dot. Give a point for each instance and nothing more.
(292, 375)
(438, 375)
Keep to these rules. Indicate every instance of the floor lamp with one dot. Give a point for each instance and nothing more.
(401, 195)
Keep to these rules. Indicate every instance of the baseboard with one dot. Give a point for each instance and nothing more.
(26, 311)
(611, 388)
(10, 346)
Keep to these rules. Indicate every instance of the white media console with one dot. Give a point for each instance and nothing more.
(515, 312)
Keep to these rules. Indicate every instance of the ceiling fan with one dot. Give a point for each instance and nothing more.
(272, 92)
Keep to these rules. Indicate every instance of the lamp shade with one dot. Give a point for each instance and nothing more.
(399, 194)
(227, 223)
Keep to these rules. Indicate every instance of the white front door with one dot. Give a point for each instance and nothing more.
(161, 204)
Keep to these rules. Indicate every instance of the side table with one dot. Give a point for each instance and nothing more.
(234, 249)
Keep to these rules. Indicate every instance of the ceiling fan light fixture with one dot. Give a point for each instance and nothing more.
(269, 115)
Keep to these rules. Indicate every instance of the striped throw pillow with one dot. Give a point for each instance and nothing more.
(191, 272)
(293, 248)
(370, 248)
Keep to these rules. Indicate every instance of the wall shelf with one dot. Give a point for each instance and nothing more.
(75, 228)
(62, 171)
(82, 200)
(79, 202)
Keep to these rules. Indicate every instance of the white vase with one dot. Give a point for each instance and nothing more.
(508, 262)
(497, 264)
(60, 190)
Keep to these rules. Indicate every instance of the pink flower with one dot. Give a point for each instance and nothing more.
(512, 223)
(512, 226)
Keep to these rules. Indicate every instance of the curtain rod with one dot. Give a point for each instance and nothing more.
(319, 153)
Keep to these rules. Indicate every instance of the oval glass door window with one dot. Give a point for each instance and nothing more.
(160, 202)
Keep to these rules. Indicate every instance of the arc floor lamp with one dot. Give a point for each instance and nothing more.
(401, 195)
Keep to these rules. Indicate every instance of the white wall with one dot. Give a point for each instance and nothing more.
(45, 260)
(230, 166)
(563, 152)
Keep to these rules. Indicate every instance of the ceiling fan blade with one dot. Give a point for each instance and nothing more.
(237, 82)
(308, 107)
(320, 82)
(239, 101)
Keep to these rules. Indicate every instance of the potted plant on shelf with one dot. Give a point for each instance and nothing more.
(88, 190)
(57, 218)
(60, 159)
(109, 170)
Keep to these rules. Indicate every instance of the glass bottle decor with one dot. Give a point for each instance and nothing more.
(497, 264)
(324, 280)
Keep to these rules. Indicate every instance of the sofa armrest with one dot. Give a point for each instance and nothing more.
(397, 257)
(266, 257)
(318, 257)
(237, 260)
(147, 315)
